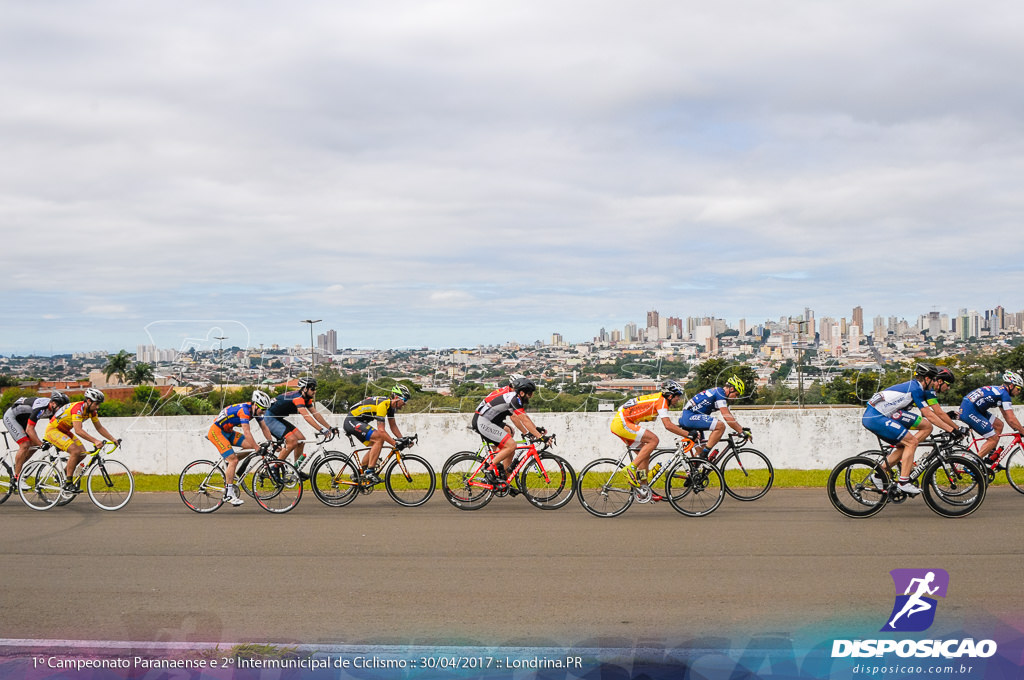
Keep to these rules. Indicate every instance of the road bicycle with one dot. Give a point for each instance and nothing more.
(547, 480)
(1008, 458)
(109, 482)
(274, 484)
(338, 478)
(309, 460)
(693, 486)
(953, 484)
(747, 473)
(7, 462)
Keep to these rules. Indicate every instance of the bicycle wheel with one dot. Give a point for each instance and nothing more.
(1015, 469)
(858, 487)
(201, 486)
(604, 490)
(110, 484)
(332, 479)
(462, 481)
(40, 484)
(954, 487)
(551, 484)
(5, 482)
(410, 481)
(748, 474)
(276, 485)
(700, 492)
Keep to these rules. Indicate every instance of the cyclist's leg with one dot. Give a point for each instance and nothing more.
(505, 446)
(698, 421)
(377, 441)
(25, 450)
(987, 427)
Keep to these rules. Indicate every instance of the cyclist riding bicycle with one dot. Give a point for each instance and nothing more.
(697, 412)
(976, 406)
(223, 436)
(303, 402)
(628, 425)
(21, 418)
(489, 422)
(66, 430)
(375, 410)
(886, 416)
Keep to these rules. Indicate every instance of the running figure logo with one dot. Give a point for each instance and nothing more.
(914, 610)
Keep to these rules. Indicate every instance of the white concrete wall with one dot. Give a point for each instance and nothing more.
(801, 439)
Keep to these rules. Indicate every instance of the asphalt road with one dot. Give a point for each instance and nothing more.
(377, 573)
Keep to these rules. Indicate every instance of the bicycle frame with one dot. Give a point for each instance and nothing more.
(530, 447)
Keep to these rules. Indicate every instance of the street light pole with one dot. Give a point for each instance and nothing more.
(220, 375)
(312, 352)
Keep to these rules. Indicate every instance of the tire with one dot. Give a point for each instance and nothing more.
(331, 480)
(201, 486)
(40, 486)
(549, 488)
(853, 492)
(110, 484)
(748, 474)
(603, 489)
(1015, 469)
(462, 481)
(410, 481)
(955, 487)
(6, 487)
(699, 492)
(277, 486)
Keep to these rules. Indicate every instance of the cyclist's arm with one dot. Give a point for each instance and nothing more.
(672, 426)
(937, 410)
(315, 420)
(247, 439)
(1011, 419)
(33, 438)
(394, 428)
(525, 424)
(105, 432)
(79, 429)
(730, 419)
(929, 413)
(266, 431)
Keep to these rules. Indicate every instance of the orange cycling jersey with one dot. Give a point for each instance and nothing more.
(642, 409)
(65, 419)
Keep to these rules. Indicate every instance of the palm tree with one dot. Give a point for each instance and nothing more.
(140, 374)
(118, 364)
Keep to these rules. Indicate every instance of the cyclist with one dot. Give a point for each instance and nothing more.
(628, 425)
(66, 430)
(974, 410)
(489, 422)
(301, 401)
(223, 436)
(21, 418)
(886, 417)
(697, 412)
(374, 410)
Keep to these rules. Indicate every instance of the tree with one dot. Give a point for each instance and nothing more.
(118, 364)
(140, 374)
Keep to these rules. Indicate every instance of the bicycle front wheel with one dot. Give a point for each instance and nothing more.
(40, 485)
(1015, 469)
(954, 487)
(201, 486)
(5, 482)
(858, 487)
(333, 479)
(463, 484)
(604, 490)
(110, 484)
(748, 474)
(276, 486)
(697, 493)
(550, 484)
(410, 481)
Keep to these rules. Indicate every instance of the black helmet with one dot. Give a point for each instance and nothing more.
(307, 382)
(59, 398)
(925, 371)
(671, 387)
(524, 385)
(402, 392)
(945, 375)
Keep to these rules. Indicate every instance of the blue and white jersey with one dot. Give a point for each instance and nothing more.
(707, 401)
(899, 397)
(985, 398)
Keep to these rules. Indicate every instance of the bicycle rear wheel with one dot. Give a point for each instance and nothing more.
(110, 484)
(463, 484)
(551, 484)
(201, 486)
(332, 479)
(748, 474)
(276, 485)
(1015, 469)
(858, 487)
(604, 490)
(699, 492)
(6, 488)
(410, 481)
(40, 484)
(954, 487)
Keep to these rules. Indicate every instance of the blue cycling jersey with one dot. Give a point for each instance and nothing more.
(898, 397)
(707, 401)
(985, 398)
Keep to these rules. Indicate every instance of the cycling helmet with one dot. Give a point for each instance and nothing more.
(925, 371)
(671, 388)
(60, 399)
(524, 385)
(307, 382)
(261, 399)
(1013, 378)
(945, 375)
(512, 378)
(737, 384)
(402, 392)
(94, 395)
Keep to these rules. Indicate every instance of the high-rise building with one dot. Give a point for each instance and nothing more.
(652, 319)
(742, 327)
(556, 340)
(858, 317)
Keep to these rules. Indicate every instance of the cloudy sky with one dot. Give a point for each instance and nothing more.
(462, 172)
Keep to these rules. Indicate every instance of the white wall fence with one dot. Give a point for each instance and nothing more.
(792, 438)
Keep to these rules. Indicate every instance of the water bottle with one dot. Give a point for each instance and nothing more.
(654, 471)
(300, 461)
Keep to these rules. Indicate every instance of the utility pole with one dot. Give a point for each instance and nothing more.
(312, 351)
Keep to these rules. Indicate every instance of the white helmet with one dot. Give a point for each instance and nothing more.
(94, 395)
(261, 399)
(1013, 378)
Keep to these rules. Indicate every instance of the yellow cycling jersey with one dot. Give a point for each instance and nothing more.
(66, 417)
(374, 408)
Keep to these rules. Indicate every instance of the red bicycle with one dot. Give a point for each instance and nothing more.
(546, 480)
(1008, 457)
